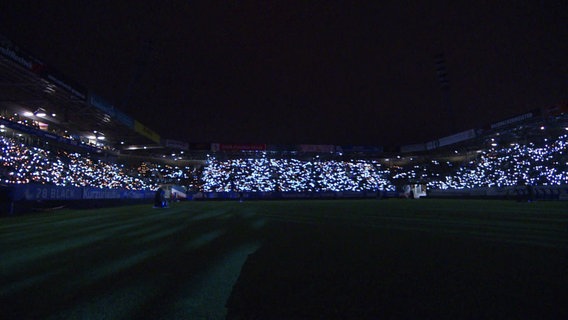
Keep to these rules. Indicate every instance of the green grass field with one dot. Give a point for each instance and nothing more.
(333, 259)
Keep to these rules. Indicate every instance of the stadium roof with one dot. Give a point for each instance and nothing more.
(31, 90)
(343, 73)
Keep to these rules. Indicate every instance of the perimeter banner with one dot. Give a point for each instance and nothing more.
(287, 195)
(516, 119)
(97, 193)
(319, 148)
(45, 192)
(36, 192)
(215, 147)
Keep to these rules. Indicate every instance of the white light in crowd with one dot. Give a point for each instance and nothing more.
(542, 128)
(2, 126)
(100, 138)
(121, 142)
(535, 162)
(145, 147)
(28, 114)
(41, 114)
(91, 137)
(493, 144)
(53, 115)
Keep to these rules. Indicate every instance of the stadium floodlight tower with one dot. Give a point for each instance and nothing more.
(442, 74)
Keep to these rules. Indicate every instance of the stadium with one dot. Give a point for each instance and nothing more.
(470, 225)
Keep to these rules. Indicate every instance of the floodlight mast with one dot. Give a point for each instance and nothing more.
(442, 74)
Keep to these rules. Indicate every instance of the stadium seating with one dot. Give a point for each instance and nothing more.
(536, 163)
(26, 164)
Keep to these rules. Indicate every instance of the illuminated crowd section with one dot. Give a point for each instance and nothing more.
(187, 176)
(537, 163)
(25, 164)
(292, 175)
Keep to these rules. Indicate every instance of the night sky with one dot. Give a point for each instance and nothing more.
(296, 72)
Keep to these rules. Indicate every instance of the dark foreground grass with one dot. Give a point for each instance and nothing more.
(330, 259)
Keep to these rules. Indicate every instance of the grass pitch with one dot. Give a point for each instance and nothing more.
(332, 259)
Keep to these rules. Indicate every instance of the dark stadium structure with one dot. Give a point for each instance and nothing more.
(34, 92)
(51, 117)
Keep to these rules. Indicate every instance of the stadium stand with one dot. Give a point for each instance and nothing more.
(72, 138)
(541, 164)
(23, 164)
(293, 175)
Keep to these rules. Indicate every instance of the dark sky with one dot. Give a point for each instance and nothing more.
(283, 72)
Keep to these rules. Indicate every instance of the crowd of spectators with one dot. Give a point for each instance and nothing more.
(19, 119)
(20, 164)
(74, 139)
(187, 176)
(537, 163)
(292, 175)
